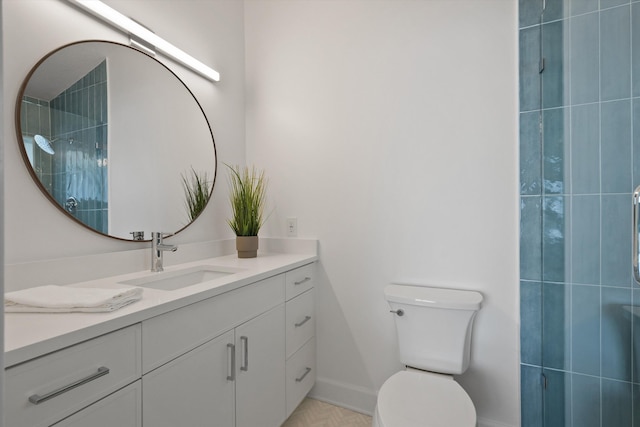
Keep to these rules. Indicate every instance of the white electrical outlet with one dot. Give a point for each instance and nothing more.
(292, 227)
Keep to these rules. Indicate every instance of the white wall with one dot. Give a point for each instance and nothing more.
(389, 129)
(211, 31)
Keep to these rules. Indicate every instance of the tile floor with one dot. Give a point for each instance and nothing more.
(314, 413)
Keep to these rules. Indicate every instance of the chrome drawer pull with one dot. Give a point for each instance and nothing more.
(245, 353)
(306, 319)
(306, 372)
(37, 399)
(306, 279)
(231, 362)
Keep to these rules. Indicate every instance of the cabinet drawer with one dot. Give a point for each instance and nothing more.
(122, 409)
(301, 375)
(68, 380)
(299, 280)
(172, 334)
(301, 321)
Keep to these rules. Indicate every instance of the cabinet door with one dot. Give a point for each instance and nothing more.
(260, 384)
(196, 389)
(122, 409)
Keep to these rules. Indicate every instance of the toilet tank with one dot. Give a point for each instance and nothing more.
(434, 330)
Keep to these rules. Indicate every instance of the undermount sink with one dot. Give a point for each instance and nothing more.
(172, 280)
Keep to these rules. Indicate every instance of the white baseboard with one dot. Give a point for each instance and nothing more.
(347, 396)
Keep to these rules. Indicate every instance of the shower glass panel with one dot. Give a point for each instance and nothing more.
(579, 164)
(76, 123)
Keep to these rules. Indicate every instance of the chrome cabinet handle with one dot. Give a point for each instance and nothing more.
(306, 279)
(306, 319)
(231, 362)
(245, 354)
(306, 372)
(37, 399)
(399, 312)
(634, 228)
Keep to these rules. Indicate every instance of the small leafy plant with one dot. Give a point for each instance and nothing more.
(197, 189)
(247, 196)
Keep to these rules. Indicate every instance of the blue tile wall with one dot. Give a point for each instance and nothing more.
(554, 10)
(585, 63)
(579, 305)
(530, 12)
(583, 6)
(635, 41)
(79, 118)
(529, 69)
(616, 242)
(531, 396)
(635, 112)
(530, 238)
(556, 399)
(555, 148)
(615, 61)
(585, 242)
(585, 149)
(586, 402)
(555, 213)
(553, 91)
(616, 146)
(556, 344)
(616, 334)
(530, 150)
(531, 315)
(36, 121)
(585, 329)
(617, 403)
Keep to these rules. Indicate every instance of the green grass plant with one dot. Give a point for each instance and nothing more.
(197, 190)
(247, 192)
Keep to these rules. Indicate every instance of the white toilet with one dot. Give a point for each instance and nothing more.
(434, 335)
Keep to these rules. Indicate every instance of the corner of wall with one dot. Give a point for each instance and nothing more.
(1, 221)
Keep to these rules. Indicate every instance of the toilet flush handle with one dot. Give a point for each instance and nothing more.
(399, 312)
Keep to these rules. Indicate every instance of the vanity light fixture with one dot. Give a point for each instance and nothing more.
(122, 22)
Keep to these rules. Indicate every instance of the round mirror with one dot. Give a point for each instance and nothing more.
(115, 140)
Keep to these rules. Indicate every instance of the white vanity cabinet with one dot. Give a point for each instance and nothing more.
(241, 358)
(300, 335)
(46, 390)
(219, 362)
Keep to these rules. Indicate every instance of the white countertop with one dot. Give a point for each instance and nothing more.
(30, 335)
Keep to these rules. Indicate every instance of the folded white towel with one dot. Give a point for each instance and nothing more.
(64, 299)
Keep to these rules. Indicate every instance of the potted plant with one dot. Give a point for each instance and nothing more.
(197, 190)
(247, 196)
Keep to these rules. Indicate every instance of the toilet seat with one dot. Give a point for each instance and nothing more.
(423, 399)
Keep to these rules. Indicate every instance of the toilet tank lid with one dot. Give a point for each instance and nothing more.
(433, 297)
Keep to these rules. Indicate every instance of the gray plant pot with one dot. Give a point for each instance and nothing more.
(247, 246)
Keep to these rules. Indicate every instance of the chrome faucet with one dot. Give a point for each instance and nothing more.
(157, 249)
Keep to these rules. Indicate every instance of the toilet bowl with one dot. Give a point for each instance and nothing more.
(423, 399)
(434, 328)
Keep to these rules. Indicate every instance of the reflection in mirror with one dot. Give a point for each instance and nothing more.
(109, 133)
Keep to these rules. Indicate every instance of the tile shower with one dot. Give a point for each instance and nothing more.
(76, 123)
(579, 164)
